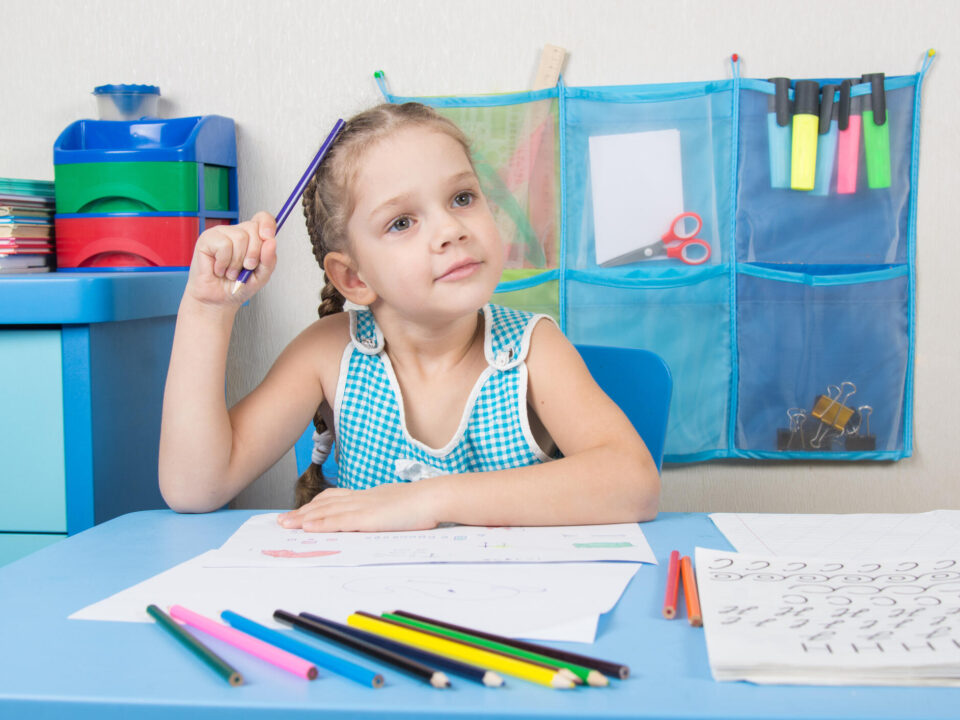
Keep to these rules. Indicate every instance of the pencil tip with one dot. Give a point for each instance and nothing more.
(560, 682)
(236, 286)
(491, 679)
(597, 679)
(570, 675)
(439, 680)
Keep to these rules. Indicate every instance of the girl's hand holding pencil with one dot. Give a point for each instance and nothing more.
(223, 251)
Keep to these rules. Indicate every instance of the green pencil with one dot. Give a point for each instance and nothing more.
(590, 677)
(195, 646)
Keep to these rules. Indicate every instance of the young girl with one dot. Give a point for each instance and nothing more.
(445, 408)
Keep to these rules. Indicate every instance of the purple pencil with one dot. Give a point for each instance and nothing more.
(297, 192)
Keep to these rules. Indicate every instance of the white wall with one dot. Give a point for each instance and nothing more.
(284, 70)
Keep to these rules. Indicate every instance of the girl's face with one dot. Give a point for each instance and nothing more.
(421, 233)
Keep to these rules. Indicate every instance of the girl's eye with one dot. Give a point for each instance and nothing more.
(400, 224)
(463, 199)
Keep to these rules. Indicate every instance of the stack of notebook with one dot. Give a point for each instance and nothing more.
(26, 226)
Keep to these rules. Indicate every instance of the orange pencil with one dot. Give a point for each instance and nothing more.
(690, 592)
(673, 585)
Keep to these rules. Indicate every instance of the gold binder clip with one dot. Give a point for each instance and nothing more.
(832, 412)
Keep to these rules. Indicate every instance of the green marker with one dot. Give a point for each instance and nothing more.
(876, 133)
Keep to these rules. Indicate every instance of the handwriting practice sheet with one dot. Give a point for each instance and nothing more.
(261, 542)
(799, 620)
(850, 535)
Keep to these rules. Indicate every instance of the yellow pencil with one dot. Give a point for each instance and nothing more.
(450, 648)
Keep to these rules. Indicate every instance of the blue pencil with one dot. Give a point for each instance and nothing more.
(318, 657)
(297, 192)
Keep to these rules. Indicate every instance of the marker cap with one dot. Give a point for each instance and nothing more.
(806, 97)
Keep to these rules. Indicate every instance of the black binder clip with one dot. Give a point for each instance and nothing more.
(865, 442)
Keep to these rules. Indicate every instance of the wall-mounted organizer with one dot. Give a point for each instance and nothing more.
(665, 217)
(136, 194)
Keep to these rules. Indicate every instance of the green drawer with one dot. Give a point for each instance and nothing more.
(127, 187)
(33, 480)
(14, 546)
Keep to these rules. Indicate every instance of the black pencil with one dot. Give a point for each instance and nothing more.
(606, 667)
(402, 662)
(217, 663)
(471, 672)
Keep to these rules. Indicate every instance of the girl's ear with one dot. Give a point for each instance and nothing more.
(339, 269)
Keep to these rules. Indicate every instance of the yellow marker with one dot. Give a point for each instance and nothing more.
(806, 128)
(450, 648)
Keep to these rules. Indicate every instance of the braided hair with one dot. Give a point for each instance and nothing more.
(328, 204)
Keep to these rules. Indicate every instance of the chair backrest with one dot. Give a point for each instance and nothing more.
(638, 381)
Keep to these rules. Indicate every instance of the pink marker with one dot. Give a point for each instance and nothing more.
(848, 140)
(247, 643)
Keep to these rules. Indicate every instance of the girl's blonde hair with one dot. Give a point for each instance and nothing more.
(328, 203)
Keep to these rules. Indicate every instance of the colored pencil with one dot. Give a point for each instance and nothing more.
(224, 669)
(257, 648)
(509, 665)
(471, 672)
(297, 192)
(584, 674)
(335, 664)
(673, 585)
(612, 669)
(426, 673)
(690, 592)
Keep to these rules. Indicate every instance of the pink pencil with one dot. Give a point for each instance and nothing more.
(247, 643)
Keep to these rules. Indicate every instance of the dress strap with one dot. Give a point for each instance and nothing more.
(364, 332)
(507, 335)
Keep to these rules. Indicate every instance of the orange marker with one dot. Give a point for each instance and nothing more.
(690, 592)
(673, 585)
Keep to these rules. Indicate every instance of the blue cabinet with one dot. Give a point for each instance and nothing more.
(83, 359)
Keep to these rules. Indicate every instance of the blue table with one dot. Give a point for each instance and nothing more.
(52, 667)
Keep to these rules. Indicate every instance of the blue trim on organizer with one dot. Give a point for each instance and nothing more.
(814, 279)
(528, 282)
(77, 427)
(889, 83)
(912, 258)
(562, 259)
(650, 93)
(733, 403)
(493, 100)
(668, 277)
(818, 455)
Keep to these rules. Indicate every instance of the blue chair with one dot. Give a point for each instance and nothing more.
(639, 381)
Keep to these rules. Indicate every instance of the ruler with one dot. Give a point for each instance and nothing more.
(551, 62)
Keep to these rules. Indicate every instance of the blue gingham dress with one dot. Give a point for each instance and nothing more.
(373, 444)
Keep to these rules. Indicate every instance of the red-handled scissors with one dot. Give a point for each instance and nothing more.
(680, 242)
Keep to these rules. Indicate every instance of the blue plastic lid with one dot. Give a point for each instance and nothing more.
(129, 89)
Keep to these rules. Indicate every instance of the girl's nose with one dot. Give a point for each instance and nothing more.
(450, 230)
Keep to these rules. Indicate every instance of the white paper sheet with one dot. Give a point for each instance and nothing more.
(637, 190)
(261, 542)
(843, 536)
(832, 622)
(543, 601)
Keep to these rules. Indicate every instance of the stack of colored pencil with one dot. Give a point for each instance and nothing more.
(681, 570)
(26, 226)
(419, 646)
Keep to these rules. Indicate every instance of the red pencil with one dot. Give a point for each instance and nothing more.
(690, 592)
(673, 584)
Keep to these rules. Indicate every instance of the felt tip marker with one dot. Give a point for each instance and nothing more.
(778, 133)
(848, 139)
(876, 133)
(806, 124)
(827, 143)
